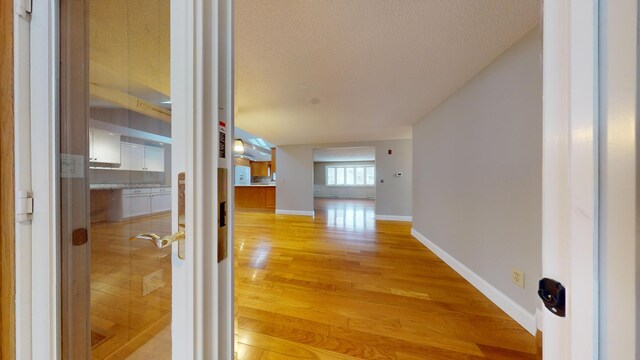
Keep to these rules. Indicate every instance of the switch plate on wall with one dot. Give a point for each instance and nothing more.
(517, 276)
(72, 166)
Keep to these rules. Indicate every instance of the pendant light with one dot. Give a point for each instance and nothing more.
(238, 147)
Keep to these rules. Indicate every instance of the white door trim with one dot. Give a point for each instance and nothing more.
(186, 328)
(40, 291)
(570, 180)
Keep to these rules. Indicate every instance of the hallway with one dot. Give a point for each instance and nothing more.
(342, 285)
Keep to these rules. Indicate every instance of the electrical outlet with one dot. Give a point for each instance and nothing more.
(152, 282)
(517, 276)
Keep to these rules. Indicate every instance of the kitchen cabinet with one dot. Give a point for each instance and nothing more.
(260, 168)
(241, 162)
(273, 160)
(255, 197)
(104, 147)
(135, 202)
(141, 202)
(153, 159)
(132, 157)
(142, 158)
(160, 200)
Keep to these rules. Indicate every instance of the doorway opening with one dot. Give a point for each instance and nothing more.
(254, 164)
(344, 186)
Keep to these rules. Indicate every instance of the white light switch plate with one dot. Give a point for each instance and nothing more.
(71, 166)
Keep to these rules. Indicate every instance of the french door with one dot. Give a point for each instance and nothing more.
(132, 112)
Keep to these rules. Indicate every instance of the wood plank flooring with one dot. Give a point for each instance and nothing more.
(123, 315)
(342, 285)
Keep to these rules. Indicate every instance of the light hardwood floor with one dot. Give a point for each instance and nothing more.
(342, 285)
(123, 315)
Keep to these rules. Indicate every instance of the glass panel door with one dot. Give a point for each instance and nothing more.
(116, 182)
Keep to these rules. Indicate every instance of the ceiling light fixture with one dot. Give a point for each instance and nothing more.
(238, 146)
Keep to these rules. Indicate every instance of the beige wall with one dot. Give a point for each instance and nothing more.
(295, 176)
(477, 185)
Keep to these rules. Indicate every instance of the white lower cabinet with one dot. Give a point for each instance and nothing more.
(140, 202)
(135, 202)
(160, 200)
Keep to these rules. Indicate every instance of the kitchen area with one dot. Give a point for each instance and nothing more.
(129, 173)
(255, 173)
(130, 186)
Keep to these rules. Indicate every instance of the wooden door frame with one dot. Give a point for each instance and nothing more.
(7, 185)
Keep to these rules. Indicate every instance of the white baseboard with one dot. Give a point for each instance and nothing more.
(295, 212)
(394, 218)
(526, 319)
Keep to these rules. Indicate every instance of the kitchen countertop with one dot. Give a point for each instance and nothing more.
(125, 186)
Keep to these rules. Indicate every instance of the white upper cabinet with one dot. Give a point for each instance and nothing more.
(132, 157)
(153, 158)
(104, 147)
(142, 158)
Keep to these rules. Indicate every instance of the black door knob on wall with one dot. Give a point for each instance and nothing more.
(553, 295)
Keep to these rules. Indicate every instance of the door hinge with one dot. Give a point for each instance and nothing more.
(24, 205)
(24, 7)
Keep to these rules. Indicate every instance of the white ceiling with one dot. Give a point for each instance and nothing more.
(336, 71)
(344, 154)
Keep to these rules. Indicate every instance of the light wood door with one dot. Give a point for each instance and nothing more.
(7, 220)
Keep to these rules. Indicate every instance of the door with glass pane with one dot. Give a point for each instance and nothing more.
(128, 261)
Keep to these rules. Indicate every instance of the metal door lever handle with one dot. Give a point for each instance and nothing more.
(160, 242)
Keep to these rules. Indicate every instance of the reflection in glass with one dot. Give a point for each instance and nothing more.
(130, 178)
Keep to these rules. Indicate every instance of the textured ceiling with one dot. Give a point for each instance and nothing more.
(129, 45)
(352, 70)
(366, 153)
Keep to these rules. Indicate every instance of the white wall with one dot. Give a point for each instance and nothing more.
(294, 179)
(320, 188)
(477, 173)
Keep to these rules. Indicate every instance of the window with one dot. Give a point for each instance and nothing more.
(339, 176)
(359, 176)
(331, 176)
(351, 175)
(371, 175)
